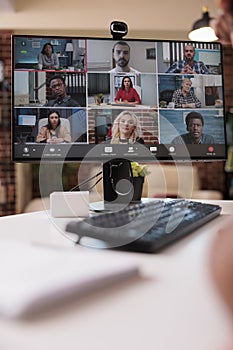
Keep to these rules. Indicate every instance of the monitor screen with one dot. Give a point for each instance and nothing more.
(79, 97)
(27, 119)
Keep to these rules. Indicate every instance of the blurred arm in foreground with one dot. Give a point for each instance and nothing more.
(223, 24)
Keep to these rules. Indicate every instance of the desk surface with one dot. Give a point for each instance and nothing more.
(172, 306)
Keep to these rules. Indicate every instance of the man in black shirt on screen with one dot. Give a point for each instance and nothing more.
(194, 122)
(58, 87)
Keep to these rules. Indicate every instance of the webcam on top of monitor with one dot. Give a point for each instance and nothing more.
(118, 29)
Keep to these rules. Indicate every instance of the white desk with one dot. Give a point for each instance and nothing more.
(173, 306)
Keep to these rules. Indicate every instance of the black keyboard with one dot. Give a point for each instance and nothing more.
(147, 226)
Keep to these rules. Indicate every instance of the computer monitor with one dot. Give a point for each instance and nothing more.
(175, 107)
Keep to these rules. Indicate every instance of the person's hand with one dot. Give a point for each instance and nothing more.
(223, 24)
(221, 262)
(53, 140)
(187, 70)
(184, 70)
(189, 105)
(123, 101)
(223, 27)
(225, 5)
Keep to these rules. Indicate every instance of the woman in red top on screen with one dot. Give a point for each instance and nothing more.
(127, 94)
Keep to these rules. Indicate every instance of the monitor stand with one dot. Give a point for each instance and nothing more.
(118, 189)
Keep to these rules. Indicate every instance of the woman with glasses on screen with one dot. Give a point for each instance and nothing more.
(126, 129)
(53, 132)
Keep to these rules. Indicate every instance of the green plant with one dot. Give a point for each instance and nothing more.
(99, 98)
(79, 66)
(139, 170)
(100, 95)
(162, 104)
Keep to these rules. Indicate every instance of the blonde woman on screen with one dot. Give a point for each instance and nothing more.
(126, 129)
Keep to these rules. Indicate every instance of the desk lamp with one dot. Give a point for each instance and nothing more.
(69, 49)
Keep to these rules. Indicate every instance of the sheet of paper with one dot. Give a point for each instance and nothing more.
(35, 277)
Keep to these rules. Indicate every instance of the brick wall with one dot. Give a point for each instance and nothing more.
(7, 172)
(212, 174)
(228, 76)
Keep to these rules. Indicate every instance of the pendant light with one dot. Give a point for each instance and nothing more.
(201, 30)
